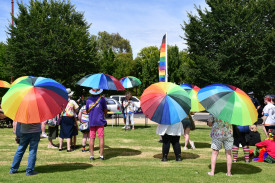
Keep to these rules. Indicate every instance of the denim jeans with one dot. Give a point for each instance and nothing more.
(26, 139)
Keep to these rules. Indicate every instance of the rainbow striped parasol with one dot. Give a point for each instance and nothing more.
(34, 100)
(165, 103)
(192, 91)
(228, 103)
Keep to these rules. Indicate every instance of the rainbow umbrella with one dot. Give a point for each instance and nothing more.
(192, 91)
(18, 80)
(228, 103)
(4, 84)
(130, 82)
(34, 99)
(165, 103)
(101, 81)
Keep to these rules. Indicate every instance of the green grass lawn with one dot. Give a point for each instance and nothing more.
(132, 156)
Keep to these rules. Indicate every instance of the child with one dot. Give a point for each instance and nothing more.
(129, 109)
(239, 134)
(254, 136)
(53, 131)
(270, 147)
(84, 120)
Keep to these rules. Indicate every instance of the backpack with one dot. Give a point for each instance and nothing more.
(52, 122)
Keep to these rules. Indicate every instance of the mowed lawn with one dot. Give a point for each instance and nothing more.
(132, 156)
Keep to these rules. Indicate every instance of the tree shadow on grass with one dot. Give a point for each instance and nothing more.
(184, 155)
(64, 167)
(114, 152)
(237, 168)
(200, 145)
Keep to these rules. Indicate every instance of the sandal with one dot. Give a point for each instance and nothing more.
(209, 173)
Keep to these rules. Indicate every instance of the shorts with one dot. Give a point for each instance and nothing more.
(124, 116)
(226, 142)
(98, 129)
(186, 123)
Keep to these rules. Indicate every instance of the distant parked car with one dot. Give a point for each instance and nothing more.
(113, 105)
(119, 98)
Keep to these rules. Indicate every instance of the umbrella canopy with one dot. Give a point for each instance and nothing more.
(130, 82)
(192, 91)
(34, 99)
(101, 81)
(4, 84)
(19, 79)
(165, 103)
(228, 103)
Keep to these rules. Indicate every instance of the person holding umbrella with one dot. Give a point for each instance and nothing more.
(96, 107)
(28, 102)
(222, 134)
(30, 135)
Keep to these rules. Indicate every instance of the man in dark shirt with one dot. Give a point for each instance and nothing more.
(255, 102)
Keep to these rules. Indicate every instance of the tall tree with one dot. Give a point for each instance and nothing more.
(114, 41)
(232, 42)
(148, 57)
(51, 39)
(4, 75)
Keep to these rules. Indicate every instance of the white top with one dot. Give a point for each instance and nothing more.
(269, 111)
(129, 106)
(174, 129)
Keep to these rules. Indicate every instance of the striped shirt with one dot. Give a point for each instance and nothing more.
(84, 115)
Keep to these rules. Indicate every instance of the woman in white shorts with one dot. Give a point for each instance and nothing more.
(222, 134)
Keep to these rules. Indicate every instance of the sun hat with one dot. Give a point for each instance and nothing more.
(70, 92)
(95, 91)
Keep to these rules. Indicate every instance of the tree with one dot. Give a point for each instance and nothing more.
(51, 39)
(4, 75)
(232, 42)
(114, 41)
(148, 57)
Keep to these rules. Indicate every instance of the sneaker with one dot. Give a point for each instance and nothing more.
(11, 172)
(124, 127)
(92, 158)
(185, 148)
(32, 173)
(102, 158)
(192, 145)
(83, 150)
(43, 135)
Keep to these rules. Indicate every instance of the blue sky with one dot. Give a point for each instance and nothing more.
(142, 22)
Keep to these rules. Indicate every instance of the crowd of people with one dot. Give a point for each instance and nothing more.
(91, 115)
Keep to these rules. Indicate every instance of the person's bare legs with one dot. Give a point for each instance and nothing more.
(228, 161)
(69, 140)
(101, 145)
(91, 145)
(186, 137)
(60, 143)
(84, 139)
(74, 144)
(214, 156)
